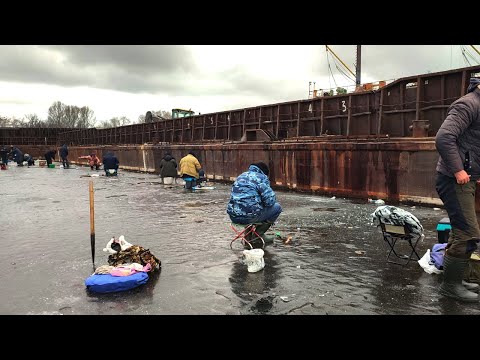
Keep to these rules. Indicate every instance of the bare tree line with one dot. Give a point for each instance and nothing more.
(61, 115)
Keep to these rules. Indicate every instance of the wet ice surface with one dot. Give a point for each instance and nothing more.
(46, 252)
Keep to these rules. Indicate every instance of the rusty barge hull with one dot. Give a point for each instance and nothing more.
(391, 169)
(397, 170)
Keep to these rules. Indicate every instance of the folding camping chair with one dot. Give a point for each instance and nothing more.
(244, 231)
(392, 234)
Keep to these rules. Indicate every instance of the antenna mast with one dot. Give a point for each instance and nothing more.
(358, 67)
(474, 48)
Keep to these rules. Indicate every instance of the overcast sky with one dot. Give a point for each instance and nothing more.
(129, 80)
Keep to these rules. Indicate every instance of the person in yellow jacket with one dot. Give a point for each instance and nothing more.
(189, 167)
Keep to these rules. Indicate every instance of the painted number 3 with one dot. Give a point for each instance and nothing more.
(344, 107)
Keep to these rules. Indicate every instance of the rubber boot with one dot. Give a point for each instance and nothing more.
(248, 237)
(261, 230)
(453, 271)
(471, 286)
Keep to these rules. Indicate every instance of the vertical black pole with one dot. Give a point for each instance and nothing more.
(358, 66)
(92, 223)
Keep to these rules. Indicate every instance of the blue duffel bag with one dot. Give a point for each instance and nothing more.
(106, 283)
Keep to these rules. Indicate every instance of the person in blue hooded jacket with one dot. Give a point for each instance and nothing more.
(64, 156)
(110, 164)
(252, 200)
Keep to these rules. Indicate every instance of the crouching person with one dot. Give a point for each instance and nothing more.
(189, 167)
(252, 200)
(110, 164)
(168, 169)
(17, 155)
(93, 160)
(50, 156)
(29, 159)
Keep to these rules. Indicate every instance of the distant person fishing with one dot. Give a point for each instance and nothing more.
(189, 167)
(64, 156)
(93, 160)
(168, 169)
(3, 158)
(50, 156)
(17, 155)
(110, 164)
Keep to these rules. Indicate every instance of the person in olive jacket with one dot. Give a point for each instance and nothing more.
(458, 175)
(168, 169)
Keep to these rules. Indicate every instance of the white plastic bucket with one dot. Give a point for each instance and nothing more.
(254, 259)
(168, 180)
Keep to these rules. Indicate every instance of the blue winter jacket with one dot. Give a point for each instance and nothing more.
(64, 151)
(110, 161)
(251, 193)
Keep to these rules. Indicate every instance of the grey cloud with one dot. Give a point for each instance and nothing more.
(239, 81)
(32, 65)
(172, 70)
(124, 68)
(134, 69)
(143, 59)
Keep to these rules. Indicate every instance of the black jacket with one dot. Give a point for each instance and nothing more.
(17, 155)
(50, 155)
(168, 166)
(4, 155)
(110, 161)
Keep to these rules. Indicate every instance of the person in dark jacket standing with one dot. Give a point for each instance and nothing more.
(3, 158)
(110, 164)
(252, 200)
(64, 156)
(458, 172)
(168, 169)
(50, 156)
